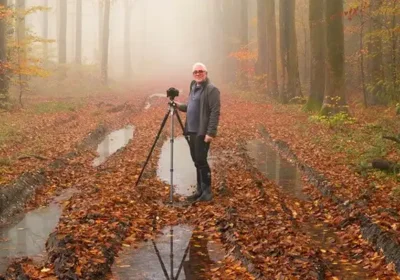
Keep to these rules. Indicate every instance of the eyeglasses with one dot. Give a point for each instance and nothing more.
(198, 72)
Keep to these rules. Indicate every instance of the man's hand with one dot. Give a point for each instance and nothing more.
(208, 139)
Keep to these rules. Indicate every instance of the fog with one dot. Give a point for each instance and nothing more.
(166, 37)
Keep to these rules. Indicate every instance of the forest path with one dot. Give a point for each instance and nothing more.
(265, 221)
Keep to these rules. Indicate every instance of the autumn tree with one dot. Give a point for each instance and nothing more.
(288, 46)
(3, 55)
(335, 98)
(78, 41)
(272, 76)
(106, 34)
(318, 45)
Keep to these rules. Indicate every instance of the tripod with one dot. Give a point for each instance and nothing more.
(172, 110)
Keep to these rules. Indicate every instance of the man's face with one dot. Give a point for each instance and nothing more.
(199, 74)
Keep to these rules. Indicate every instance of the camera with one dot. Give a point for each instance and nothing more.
(172, 93)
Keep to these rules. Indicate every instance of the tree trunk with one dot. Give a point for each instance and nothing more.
(291, 79)
(362, 70)
(78, 46)
(3, 59)
(271, 49)
(335, 99)
(376, 72)
(318, 45)
(244, 40)
(45, 31)
(21, 43)
(229, 65)
(106, 34)
(100, 30)
(62, 44)
(127, 49)
(262, 60)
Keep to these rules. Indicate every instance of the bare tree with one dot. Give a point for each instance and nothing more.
(45, 32)
(288, 44)
(272, 78)
(78, 42)
(100, 27)
(62, 44)
(261, 65)
(244, 40)
(106, 34)
(127, 48)
(376, 73)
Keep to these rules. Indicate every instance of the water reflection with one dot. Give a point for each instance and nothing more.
(184, 175)
(112, 142)
(177, 254)
(28, 237)
(284, 173)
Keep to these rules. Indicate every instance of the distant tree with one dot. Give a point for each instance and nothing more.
(318, 46)
(100, 28)
(288, 45)
(45, 32)
(106, 34)
(272, 78)
(244, 39)
(335, 97)
(3, 56)
(376, 73)
(78, 41)
(262, 60)
(127, 48)
(62, 44)
(21, 45)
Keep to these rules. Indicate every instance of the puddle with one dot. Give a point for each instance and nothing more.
(184, 171)
(287, 175)
(281, 171)
(184, 177)
(148, 102)
(177, 254)
(112, 142)
(29, 235)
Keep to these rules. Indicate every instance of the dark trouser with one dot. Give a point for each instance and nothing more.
(199, 151)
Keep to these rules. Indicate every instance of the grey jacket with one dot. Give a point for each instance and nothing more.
(209, 109)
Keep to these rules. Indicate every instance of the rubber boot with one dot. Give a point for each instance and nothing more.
(207, 194)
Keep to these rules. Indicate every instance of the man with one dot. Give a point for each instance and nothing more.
(202, 117)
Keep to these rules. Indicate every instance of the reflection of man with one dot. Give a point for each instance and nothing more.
(196, 267)
(202, 117)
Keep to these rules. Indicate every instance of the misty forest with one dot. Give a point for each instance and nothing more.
(212, 139)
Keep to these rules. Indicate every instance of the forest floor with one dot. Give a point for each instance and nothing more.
(264, 231)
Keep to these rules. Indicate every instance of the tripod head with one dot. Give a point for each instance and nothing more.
(172, 93)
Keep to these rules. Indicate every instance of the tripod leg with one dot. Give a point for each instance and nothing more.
(179, 119)
(181, 123)
(152, 148)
